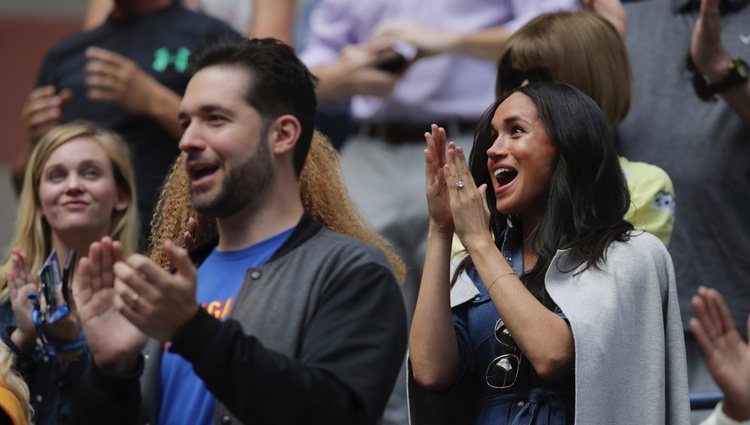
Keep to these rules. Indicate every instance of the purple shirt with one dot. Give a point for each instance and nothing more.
(445, 86)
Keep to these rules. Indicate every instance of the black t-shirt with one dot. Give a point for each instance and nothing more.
(160, 43)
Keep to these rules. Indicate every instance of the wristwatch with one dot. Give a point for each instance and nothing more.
(738, 74)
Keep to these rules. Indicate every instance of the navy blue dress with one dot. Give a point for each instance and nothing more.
(530, 399)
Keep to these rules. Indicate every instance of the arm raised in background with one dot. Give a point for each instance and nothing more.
(97, 13)
(273, 18)
(712, 60)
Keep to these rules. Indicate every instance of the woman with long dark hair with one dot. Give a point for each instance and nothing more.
(558, 305)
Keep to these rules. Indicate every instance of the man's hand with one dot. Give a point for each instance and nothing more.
(157, 302)
(111, 77)
(43, 110)
(428, 41)
(706, 50)
(354, 73)
(114, 342)
(727, 355)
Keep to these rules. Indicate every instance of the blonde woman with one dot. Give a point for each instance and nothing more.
(78, 187)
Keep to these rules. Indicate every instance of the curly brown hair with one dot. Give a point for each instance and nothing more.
(323, 193)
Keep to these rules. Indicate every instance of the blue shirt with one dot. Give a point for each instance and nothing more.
(185, 398)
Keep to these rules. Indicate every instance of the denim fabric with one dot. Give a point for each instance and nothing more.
(52, 386)
(531, 399)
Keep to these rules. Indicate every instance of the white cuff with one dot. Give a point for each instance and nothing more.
(719, 418)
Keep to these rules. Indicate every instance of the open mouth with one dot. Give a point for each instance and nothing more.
(505, 175)
(199, 171)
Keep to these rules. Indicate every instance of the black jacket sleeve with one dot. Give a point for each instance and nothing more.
(348, 361)
(105, 399)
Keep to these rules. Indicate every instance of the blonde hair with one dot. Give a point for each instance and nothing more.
(19, 410)
(323, 193)
(578, 48)
(33, 235)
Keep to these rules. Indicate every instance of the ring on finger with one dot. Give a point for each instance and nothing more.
(134, 301)
(459, 184)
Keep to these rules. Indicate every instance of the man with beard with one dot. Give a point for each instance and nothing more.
(284, 321)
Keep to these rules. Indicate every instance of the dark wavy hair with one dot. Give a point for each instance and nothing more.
(587, 196)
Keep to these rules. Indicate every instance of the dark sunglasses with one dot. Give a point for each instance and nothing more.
(503, 370)
(510, 78)
(700, 86)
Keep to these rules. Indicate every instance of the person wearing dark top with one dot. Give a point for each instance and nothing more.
(126, 75)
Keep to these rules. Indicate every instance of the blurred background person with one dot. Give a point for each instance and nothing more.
(256, 18)
(78, 187)
(126, 75)
(691, 116)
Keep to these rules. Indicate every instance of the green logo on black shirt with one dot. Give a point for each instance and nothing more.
(162, 59)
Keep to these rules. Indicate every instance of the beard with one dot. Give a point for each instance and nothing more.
(244, 186)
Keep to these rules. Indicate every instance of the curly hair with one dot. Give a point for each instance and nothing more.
(323, 192)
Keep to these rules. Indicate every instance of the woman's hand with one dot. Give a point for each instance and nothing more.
(438, 203)
(468, 204)
(20, 284)
(114, 342)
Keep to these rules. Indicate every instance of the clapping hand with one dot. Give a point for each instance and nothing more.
(471, 215)
(727, 355)
(21, 283)
(157, 302)
(438, 202)
(115, 343)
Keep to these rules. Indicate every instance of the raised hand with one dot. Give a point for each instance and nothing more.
(115, 343)
(43, 110)
(157, 302)
(706, 49)
(727, 355)
(20, 284)
(468, 203)
(438, 202)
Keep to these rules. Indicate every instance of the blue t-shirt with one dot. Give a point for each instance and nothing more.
(185, 398)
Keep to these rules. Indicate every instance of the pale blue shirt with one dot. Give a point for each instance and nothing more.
(444, 86)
